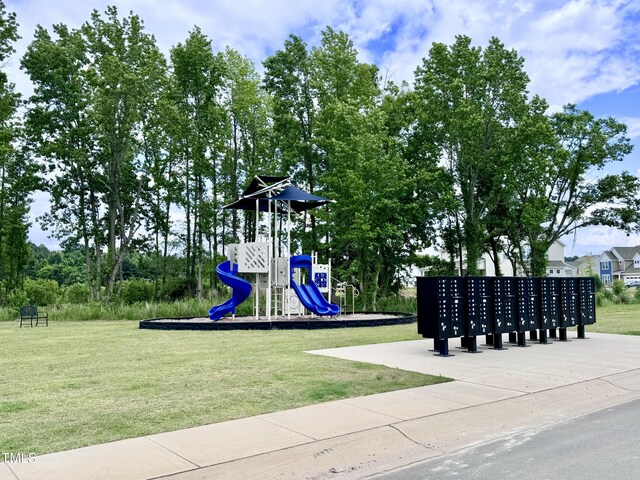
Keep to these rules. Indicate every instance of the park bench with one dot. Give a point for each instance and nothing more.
(30, 313)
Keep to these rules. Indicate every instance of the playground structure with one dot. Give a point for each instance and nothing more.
(291, 283)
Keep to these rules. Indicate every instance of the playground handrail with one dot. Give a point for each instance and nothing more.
(344, 286)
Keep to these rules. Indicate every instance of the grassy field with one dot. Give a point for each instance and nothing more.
(138, 311)
(617, 318)
(81, 383)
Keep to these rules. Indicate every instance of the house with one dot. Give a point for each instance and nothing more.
(620, 263)
(486, 265)
(587, 265)
(556, 266)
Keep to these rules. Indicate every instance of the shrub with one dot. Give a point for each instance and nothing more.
(41, 292)
(600, 299)
(78, 293)
(17, 299)
(607, 294)
(619, 288)
(136, 291)
(174, 288)
(620, 292)
(636, 295)
(598, 283)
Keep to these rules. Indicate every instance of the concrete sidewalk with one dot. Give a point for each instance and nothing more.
(496, 393)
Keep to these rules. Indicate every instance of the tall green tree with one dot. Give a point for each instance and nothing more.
(247, 112)
(61, 129)
(468, 102)
(370, 231)
(560, 191)
(198, 137)
(92, 92)
(158, 163)
(17, 170)
(126, 70)
(288, 79)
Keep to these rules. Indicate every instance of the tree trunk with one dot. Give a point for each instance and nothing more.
(374, 287)
(97, 245)
(472, 246)
(234, 179)
(539, 259)
(187, 197)
(496, 257)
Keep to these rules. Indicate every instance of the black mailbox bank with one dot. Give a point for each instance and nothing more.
(465, 307)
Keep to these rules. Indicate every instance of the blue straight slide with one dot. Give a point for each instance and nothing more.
(310, 296)
(240, 288)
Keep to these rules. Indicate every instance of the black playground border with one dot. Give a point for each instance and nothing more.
(293, 324)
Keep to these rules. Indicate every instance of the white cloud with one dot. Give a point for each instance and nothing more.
(595, 240)
(633, 126)
(573, 49)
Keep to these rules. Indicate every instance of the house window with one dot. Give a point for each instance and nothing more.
(604, 265)
(606, 279)
(636, 262)
(558, 271)
(551, 270)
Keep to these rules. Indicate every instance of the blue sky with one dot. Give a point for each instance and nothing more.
(578, 51)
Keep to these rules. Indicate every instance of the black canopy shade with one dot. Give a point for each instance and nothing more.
(289, 196)
(299, 199)
(258, 189)
(261, 182)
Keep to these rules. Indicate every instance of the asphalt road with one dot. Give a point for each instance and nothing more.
(601, 445)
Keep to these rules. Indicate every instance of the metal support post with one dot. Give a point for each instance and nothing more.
(581, 331)
(563, 334)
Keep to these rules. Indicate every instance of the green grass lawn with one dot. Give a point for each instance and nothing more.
(621, 318)
(81, 383)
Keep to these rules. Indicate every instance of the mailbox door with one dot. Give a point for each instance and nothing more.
(456, 306)
(503, 293)
(527, 312)
(549, 303)
(534, 304)
(587, 301)
(479, 312)
(440, 307)
(427, 307)
(509, 295)
(568, 302)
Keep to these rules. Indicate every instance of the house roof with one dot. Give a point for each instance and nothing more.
(558, 264)
(627, 253)
(632, 271)
(610, 255)
(585, 259)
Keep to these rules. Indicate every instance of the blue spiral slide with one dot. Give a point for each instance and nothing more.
(310, 296)
(240, 288)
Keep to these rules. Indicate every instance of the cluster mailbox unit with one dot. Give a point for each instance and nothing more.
(465, 307)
